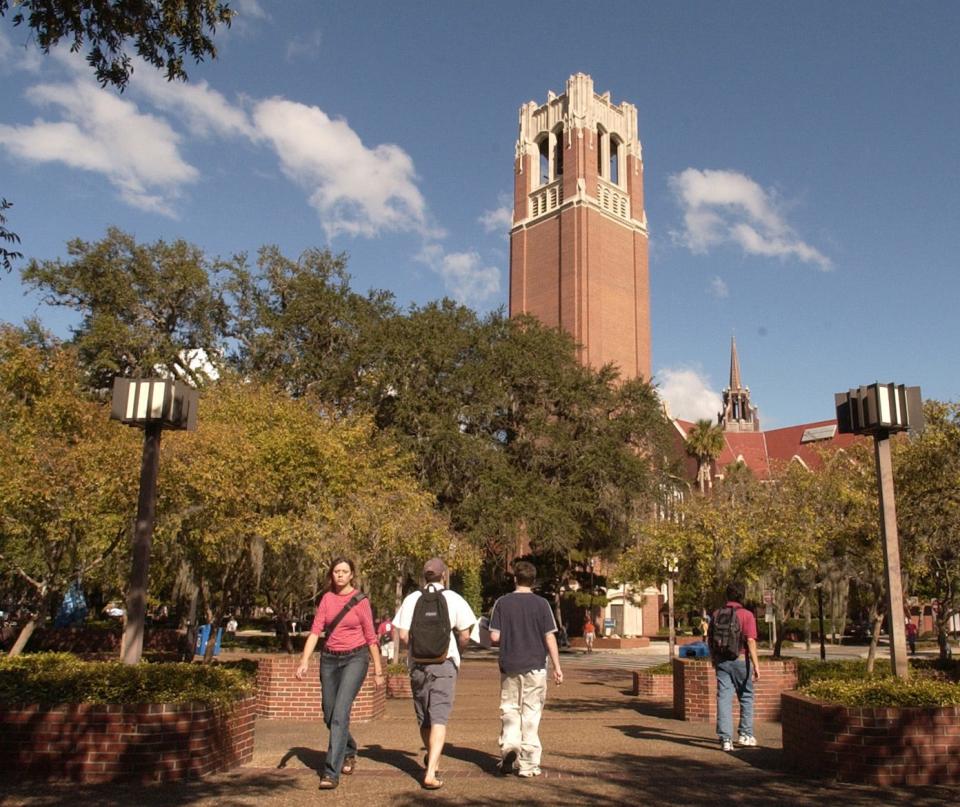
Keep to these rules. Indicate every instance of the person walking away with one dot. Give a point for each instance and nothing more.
(350, 644)
(523, 627)
(435, 623)
(912, 636)
(589, 632)
(385, 637)
(733, 651)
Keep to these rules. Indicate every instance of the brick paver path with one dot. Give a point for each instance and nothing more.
(602, 745)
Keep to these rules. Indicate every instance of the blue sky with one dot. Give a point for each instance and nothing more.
(802, 171)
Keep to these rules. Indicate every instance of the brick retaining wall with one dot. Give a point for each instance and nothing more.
(607, 643)
(695, 690)
(85, 641)
(882, 746)
(653, 686)
(103, 743)
(281, 696)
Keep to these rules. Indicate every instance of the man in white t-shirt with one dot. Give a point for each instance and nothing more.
(434, 685)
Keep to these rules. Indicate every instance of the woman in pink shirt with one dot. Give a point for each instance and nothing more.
(347, 651)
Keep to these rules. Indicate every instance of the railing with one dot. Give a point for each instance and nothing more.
(546, 198)
(612, 199)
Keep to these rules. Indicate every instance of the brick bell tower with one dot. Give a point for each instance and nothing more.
(579, 243)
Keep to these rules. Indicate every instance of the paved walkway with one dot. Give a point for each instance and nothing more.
(601, 744)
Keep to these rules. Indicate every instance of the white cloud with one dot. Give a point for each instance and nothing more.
(719, 288)
(306, 46)
(249, 8)
(688, 394)
(727, 207)
(464, 275)
(205, 111)
(356, 190)
(26, 57)
(103, 133)
(500, 219)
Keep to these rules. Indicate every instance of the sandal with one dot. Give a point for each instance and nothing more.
(435, 786)
(329, 784)
(348, 765)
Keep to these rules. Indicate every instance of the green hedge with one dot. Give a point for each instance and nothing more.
(885, 692)
(52, 679)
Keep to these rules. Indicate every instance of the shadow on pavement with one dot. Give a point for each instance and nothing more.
(403, 761)
(308, 757)
(235, 788)
(484, 761)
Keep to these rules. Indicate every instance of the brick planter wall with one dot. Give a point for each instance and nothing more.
(882, 746)
(146, 742)
(695, 690)
(653, 686)
(84, 641)
(398, 686)
(612, 644)
(281, 696)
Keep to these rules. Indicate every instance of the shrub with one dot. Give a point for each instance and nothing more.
(51, 679)
(660, 669)
(810, 670)
(397, 668)
(884, 692)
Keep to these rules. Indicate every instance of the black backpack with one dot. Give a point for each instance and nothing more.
(430, 627)
(726, 635)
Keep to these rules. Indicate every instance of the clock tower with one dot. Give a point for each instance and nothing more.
(579, 243)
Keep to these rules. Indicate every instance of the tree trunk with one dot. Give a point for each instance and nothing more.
(943, 636)
(876, 617)
(23, 637)
(807, 620)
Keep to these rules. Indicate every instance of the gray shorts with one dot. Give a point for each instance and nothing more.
(433, 686)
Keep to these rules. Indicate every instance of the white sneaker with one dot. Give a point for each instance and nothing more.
(529, 774)
(747, 740)
(726, 744)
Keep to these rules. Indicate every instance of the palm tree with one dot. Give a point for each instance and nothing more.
(704, 443)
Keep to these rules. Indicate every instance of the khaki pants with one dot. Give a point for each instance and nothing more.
(521, 705)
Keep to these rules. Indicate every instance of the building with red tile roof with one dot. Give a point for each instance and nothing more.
(763, 452)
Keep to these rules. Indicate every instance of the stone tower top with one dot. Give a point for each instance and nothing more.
(579, 108)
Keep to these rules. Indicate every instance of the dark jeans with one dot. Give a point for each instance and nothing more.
(340, 678)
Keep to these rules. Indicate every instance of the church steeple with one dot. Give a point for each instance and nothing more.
(734, 365)
(738, 414)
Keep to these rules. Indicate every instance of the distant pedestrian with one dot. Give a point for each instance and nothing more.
(589, 632)
(733, 633)
(704, 628)
(523, 627)
(350, 644)
(435, 623)
(912, 636)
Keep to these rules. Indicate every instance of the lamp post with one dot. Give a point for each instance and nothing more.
(880, 410)
(671, 564)
(152, 405)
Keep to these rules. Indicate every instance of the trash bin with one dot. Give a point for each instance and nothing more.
(203, 636)
(695, 650)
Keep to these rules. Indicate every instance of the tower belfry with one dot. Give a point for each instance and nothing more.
(579, 242)
(738, 414)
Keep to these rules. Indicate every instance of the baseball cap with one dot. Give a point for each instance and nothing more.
(435, 566)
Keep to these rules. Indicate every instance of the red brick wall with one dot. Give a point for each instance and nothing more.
(149, 742)
(281, 696)
(398, 686)
(92, 640)
(882, 746)
(695, 690)
(652, 686)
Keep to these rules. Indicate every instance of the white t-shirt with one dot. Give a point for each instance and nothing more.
(461, 617)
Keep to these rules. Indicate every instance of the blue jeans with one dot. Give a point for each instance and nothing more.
(340, 678)
(734, 676)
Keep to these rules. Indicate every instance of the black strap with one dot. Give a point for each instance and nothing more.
(328, 629)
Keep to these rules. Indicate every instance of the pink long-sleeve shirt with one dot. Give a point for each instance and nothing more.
(355, 629)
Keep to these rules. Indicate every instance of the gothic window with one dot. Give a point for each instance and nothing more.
(614, 174)
(558, 152)
(543, 146)
(600, 138)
